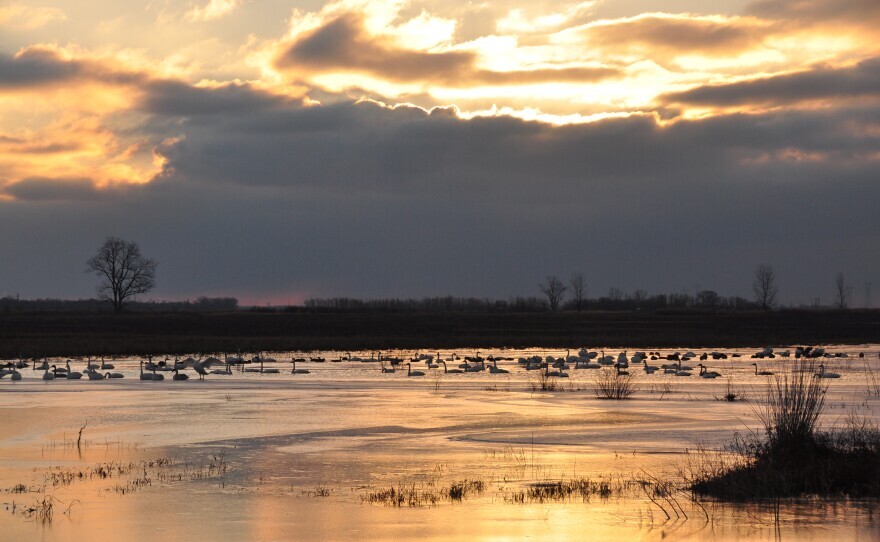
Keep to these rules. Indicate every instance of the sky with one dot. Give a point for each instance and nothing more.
(277, 150)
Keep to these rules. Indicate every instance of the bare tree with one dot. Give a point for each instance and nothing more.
(554, 290)
(841, 291)
(615, 294)
(122, 270)
(764, 286)
(708, 298)
(578, 289)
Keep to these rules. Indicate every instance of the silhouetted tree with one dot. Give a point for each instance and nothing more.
(578, 290)
(615, 294)
(841, 291)
(764, 286)
(554, 290)
(122, 270)
(707, 298)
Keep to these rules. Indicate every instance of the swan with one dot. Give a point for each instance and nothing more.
(202, 371)
(410, 372)
(823, 374)
(296, 371)
(15, 375)
(685, 368)
(648, 368)
(145, 376)
(475, 368)
(94, 375)
(73, 375)
(447, 370)
(226, 371)
(619, 371)
(179, 376)
(386, 369)
(761, 373)
(42, 367)
(47, 375)
(706, 373)
(114, 375)
(268, 371)
(495, 370)
(548, 372)
(105, 366)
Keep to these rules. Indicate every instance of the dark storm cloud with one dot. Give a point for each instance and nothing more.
(275, 199)
(820, 83)
(175, 98)
(52, 190)
(344, 44)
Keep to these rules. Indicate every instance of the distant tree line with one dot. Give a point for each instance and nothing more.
(426, 304)
(200, 304)
(615, 301)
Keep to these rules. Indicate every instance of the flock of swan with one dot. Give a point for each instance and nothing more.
(677, 364)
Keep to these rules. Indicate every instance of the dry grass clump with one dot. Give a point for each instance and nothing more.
(793, 458)
(543, 382)
(418, 495)
(610, 384)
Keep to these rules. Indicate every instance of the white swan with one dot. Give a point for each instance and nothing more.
(410, 372)
(73, 375)
(448, 370)
(495, 370)
(705, 373)
(761, 373)
(823, 374)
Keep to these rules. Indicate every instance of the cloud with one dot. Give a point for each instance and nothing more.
(176, 98)
(41, 65)
(678, 34)
(344, 45)
(820, 83)
(214, 9)
(37, 66)
(39, 189)
(29, 17)
(358, 198)
(860, 12)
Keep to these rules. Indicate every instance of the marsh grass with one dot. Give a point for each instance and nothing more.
(543, 382)
(791, 457)
(872, 380)
(611, 385)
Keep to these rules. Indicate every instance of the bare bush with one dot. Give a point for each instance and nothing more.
(611, 384)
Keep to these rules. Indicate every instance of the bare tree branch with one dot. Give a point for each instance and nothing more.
(841, 291)
(554, 290)
(578, 290)
(123, 271)
(764, 286)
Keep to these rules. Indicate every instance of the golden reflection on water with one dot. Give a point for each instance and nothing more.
(286, 441)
